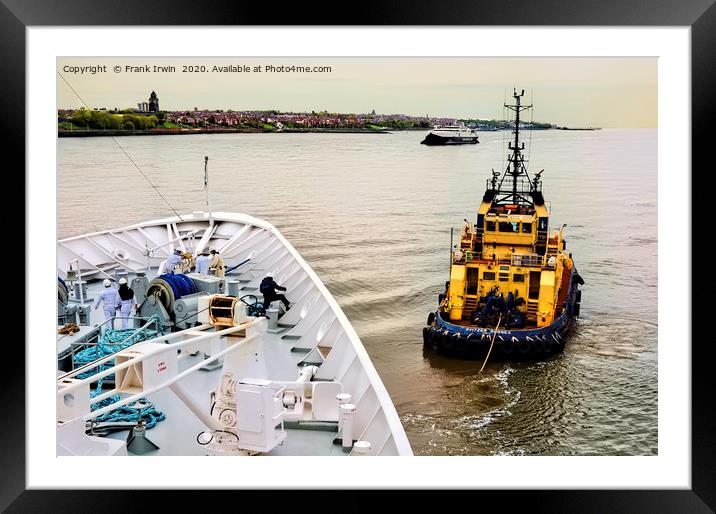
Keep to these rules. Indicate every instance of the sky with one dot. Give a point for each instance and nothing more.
(573, 92)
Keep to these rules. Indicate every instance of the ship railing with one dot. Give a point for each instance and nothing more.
(518, 259)
(524, 186)
(530, 259)
(168, 350)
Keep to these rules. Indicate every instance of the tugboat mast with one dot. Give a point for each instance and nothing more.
(516, 166)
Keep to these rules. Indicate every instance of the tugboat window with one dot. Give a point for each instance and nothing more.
(490, 226)
(508, 226)
(488, 275)
(527, 228)
(518, 277)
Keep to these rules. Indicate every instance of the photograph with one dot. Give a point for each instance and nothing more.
(357, 256)
(464, 250)
(456, 238)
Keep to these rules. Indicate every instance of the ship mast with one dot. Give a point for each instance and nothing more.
(516, 165)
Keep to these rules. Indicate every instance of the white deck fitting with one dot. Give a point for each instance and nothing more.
(315, 319)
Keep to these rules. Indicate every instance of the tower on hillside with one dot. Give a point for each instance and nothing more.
(153, 102)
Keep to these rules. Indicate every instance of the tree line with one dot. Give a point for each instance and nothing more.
(103, 120)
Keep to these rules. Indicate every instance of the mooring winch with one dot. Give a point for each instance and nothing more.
(175, 297)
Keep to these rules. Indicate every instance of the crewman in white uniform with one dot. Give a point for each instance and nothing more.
(202, 263)
(172, 262)
(110, 298)
(127, 296)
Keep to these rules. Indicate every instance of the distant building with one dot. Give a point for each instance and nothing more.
(143, 106)
(153, 102)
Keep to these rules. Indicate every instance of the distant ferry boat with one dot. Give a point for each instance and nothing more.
(451, 135)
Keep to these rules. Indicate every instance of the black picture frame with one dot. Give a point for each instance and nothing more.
(699, 15)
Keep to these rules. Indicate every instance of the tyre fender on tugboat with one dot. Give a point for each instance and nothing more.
(506, 346)
(464, 342)
(449, 340)
(435, 337)
(426, 335)
(553, 342)
(523, 345)
(578, 279)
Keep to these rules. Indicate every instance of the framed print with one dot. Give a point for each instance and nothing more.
(464, 247)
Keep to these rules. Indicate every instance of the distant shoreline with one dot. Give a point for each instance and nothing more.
(183, 132)
(219, 130)
(578, 128)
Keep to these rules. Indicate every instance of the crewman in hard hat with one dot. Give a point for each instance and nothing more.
(110, 298)
(217, 264)
(172, 262)
(202, 263)
(127, 296)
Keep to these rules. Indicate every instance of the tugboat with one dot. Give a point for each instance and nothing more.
(513, 292)
(457, 134)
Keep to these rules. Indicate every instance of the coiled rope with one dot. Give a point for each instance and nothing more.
(112, 342)
(181, 284)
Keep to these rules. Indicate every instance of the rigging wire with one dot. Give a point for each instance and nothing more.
(532, 119)
(125, 153)
(504, 109)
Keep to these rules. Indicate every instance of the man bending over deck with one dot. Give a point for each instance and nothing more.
(172, 262)
(268, 289)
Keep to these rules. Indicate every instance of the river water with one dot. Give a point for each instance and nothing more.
(371, 213)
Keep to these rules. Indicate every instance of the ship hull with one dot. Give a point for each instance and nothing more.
(509, 345)
(434, 140)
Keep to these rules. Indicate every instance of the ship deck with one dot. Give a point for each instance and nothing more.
(177, 433)
(314, 331)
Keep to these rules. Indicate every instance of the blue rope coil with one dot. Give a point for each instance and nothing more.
(181, 284)
(111, 342)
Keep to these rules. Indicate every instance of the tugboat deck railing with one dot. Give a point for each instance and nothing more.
(527, 260)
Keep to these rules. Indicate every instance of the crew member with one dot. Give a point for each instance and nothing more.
(466, 230)
(172, 262)
(110, 299)
(127, 296)
(217, 264)
(202, 263)
(268, 289)
(510, 301)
